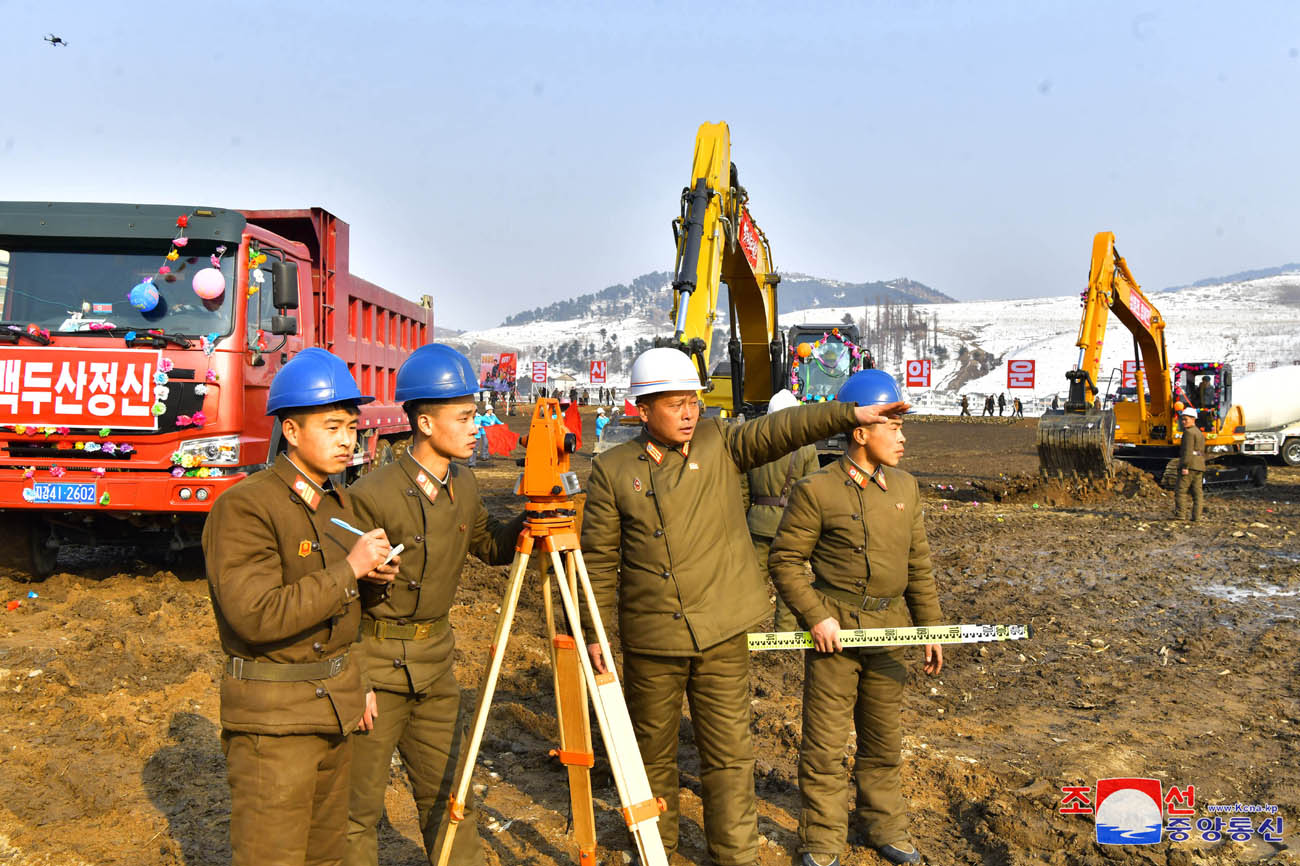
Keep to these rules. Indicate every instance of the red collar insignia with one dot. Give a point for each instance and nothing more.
(655, 454)
(307, 492)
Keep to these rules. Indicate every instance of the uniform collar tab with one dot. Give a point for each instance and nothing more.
(307, 490)
(429, 483)
(860, 476)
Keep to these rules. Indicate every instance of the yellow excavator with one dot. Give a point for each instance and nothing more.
(1140, 428)
(719, 242)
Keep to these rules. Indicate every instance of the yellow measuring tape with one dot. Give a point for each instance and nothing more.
(906, 636)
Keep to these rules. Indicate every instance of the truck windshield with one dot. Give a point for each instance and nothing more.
(66, 290)
(822, 374)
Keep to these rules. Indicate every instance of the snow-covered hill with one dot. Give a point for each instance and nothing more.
(1251, 324)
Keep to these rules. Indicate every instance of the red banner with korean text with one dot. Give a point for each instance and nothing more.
(749, 240)
(73, 387)
(918, 374)
(1020, 373)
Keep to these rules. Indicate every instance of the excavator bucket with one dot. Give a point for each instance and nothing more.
(1077, 443)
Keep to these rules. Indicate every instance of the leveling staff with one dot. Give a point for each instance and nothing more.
(859, 523)
(432, 506)
(283, 581)
(665, 537)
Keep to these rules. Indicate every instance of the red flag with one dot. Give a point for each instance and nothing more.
(573, 421)
(629, 408)
(501, 441)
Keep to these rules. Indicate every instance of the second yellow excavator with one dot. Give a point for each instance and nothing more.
(719, 242)
(1086, 438)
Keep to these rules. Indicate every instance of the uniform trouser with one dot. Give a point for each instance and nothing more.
(716, 685)
(426, 732)
(288, 798)
(842, 691)
(1188, 484)
(785, 619)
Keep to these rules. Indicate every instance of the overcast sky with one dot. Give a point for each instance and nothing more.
(503, 155)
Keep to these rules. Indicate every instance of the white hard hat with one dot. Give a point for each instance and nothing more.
(1189, 412)
(600, 411)
(657, 370)
(782, 399)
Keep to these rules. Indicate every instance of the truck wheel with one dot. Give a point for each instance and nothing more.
(1291, 452)
(43, 557)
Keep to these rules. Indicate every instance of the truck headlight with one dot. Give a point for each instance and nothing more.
(217, 450)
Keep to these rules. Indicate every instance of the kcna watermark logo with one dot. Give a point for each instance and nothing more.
(1133, 811)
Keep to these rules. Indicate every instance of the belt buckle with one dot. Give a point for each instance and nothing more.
(237, 667)
(336, 665)
(422, 630)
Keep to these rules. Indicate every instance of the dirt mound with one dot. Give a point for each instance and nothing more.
(1127, 482)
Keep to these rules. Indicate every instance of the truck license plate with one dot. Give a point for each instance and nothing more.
(61, 493)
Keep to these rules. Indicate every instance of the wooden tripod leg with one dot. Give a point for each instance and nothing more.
(575, 735)
(456, 808)
(640, 807)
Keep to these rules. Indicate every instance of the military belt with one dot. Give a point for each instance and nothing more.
(778, 501)
(283, 672)
(385, 630)
(854, 599)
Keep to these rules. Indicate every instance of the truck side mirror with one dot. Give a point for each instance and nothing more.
(284, 287)
(284, 325)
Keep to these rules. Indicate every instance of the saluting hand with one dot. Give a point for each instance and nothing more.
(868, 415)
(369, 552)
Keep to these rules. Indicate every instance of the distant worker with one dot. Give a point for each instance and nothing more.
(662, 533)
(859, 523)
(1002, 404)
(768, 486)
(601, 421)
(965, 406)
(1205, 394)
(407, 648)
(283, 578)
(1017, 408)
(1191, 466)
(988, 406)
(1056, 403)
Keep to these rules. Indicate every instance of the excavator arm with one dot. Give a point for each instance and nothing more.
(1082, 440)
(719, 242)
(1112, 288)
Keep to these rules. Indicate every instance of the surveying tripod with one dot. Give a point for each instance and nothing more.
(550, 522)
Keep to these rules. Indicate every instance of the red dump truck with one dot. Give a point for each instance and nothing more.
(137, 343)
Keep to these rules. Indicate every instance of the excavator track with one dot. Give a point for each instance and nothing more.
(1081, 444)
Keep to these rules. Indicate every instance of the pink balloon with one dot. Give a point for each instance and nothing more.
(209, 283)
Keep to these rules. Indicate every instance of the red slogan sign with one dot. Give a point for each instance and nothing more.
(78, 387)
(598, 370)
(918, 374)
(1020, 374)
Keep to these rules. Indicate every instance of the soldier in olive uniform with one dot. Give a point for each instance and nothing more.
(1191, 466)
(283, 581)
(433, 507)
(667, 545)
(859, 523)
(766, 489)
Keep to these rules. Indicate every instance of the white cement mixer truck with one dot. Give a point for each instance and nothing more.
(1270, 400)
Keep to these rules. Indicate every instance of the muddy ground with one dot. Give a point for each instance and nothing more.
(1161, 649)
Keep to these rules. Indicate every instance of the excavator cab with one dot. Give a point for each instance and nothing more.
(1207, 387)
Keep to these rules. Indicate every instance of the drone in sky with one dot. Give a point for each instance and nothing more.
(56, 41)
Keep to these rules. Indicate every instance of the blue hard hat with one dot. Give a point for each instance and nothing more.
(314, 377)
(870, 388)
(435, 372)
